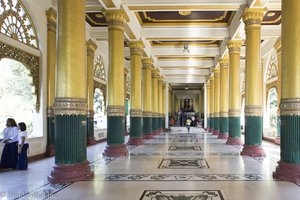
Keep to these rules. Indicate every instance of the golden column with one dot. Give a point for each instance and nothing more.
(160, 106)
(212, 98)
(91, 48)
(147, 97)
(163, 106)
(116, 99)
(170, 101)
(70, 107)
(126, 100)
(136, 135)
(234, 113)
(278, 49)
(51, 74)
(289, 164)
(224, 98)
(216, 101)
(253, 107)
(208, 127)
(155, 97)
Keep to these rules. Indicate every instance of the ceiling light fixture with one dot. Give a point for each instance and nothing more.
(185, 12)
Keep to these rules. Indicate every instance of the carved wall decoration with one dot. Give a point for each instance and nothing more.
(16, 23)
(272, 71)
(31, 62)
(99, 70)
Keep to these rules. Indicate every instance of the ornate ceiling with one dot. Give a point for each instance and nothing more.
(185, 38)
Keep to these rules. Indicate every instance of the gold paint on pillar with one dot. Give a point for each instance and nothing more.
(51, 59)
(71, 63)
(208, 98)
(217, 92)
(160, 90)
(116, 91)
(176, 104)
(155, 76)
(224, 87)
(147, 83)
(163, 99)
(234, 47)
(136, 49)
(212, 96)
(252, 18)
(91, 48)
(290, 54)
(170, 101)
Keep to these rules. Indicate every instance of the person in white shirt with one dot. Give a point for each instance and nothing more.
(9, 157)
(22, 147)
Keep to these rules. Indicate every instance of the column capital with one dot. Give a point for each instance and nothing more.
(161, 80)
(147, 63)
(136, 47)
(217, 72)
(208, 84)
(252, 18)
(51, 19)
(224, 63)
(91, 47)
(155, 73)
(116, 19)
(234, 46)
(212, 79)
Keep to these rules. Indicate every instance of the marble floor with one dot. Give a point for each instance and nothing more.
(172, 166)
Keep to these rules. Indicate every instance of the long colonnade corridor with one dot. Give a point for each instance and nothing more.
(175, 165)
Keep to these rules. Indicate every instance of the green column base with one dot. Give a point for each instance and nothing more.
(50, 136)
(70, 139)
(234, 127)
(90, 131)
(216, 126)
(253, 130)
(136, 137)
(154, 125)
(290, 139)
(147, 127)
(208, 124)
(212, 124)
(224, 123)
(115, 130)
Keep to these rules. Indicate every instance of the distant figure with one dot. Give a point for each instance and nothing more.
(188, 124)
(22, 147)
(9, 157)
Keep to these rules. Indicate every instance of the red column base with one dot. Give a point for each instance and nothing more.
(216, 132)
(234, 141)
(115, 151)
(156, 132)
(223, 136)
(136, 141)
(148, 136)
(50, 150)
(287, 172)
(126, 133)
(68, 173)
(211, 130)
(254, 151)
(91, 141)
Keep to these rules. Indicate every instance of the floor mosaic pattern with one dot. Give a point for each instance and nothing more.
(183, 163)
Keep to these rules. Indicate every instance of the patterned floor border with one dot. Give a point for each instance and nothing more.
(181, 154)
(181, 177)
(181, 195)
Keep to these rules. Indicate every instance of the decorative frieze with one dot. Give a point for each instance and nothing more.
(113, 111)
(69, 106)
(136, 113)
(253, 110)
(290, 106)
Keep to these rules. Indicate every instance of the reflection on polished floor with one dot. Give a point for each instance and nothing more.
(172, 166)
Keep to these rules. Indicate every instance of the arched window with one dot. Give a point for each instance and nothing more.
(16, 93)
(272, 108)
(99, 109)
(99, 70)
(16, 23)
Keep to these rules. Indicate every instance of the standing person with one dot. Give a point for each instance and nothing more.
(9, 157)
(188, 124)
(22, 147)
